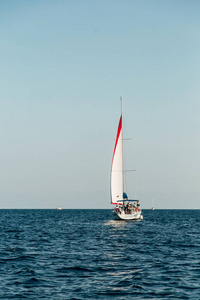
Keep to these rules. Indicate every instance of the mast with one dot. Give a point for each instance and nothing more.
(122, 148)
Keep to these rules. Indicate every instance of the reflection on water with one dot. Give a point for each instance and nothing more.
(116, 223)
(122, 223)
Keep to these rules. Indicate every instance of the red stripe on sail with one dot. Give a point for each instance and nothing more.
(117, 138)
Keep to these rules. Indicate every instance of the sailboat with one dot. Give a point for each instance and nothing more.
(59, 208)
(152, 204)
(125, 208)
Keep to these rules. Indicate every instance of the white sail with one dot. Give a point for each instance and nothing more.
(117, 170)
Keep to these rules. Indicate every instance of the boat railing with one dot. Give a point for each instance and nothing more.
(128, 211)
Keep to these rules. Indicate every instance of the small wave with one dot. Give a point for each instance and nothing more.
(32, 280)
(75, 268)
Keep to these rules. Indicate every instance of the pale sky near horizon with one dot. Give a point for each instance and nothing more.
(64, 66)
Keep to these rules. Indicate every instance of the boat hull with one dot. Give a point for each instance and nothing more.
(127, 216)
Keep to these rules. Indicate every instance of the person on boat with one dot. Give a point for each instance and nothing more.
(133, 206)
(125, 208)
(117, 208)
(138, 205)
(128, 207)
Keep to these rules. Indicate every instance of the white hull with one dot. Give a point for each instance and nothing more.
(127, 216)
(59, 208)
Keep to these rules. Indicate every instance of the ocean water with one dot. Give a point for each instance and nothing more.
(84, 254)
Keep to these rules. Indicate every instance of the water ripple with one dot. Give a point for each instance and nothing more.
(84, 254)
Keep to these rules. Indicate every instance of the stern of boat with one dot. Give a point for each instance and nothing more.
(122, 215)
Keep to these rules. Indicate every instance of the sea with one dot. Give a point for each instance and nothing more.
(85, 254)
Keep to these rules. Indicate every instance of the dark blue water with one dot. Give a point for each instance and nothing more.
(84, 254)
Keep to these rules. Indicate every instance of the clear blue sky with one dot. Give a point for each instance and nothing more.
(64, 66)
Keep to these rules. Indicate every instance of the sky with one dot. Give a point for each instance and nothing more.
(63, 67)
